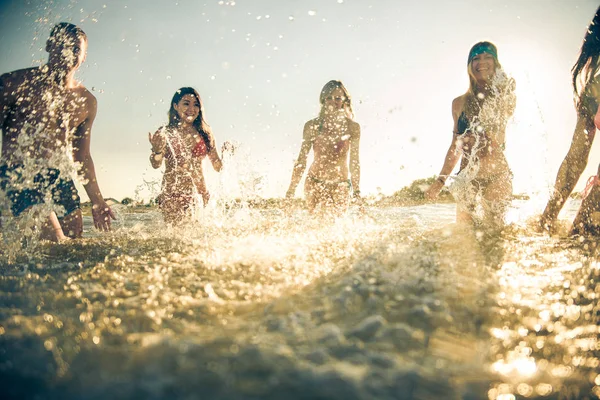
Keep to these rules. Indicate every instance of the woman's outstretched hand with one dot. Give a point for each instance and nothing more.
(432, 191)
(158, 141)
(228, 147)
(359, 201)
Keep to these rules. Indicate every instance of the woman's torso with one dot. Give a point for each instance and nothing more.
(331, 140)
(482, 137)
(182, 159)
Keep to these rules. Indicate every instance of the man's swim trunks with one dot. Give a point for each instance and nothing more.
(22, 197)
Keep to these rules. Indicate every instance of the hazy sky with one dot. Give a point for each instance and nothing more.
(259, 66)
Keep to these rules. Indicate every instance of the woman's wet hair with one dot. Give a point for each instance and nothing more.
(329, 88)
(586, 66)
(199, 123)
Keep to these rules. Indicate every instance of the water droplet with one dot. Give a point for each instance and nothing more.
(312, 13)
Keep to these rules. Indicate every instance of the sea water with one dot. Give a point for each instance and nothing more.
(394, 303)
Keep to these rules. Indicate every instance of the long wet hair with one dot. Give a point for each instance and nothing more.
(328, 89)
(587, 64)
(199, 123)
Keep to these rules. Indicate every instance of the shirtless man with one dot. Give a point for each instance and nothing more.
(44, 113)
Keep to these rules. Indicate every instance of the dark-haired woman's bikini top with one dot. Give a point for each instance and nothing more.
(200, 150)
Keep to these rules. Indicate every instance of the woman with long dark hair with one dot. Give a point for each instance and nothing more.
(183, 144)
(586, 88)
(334, 138)
(484, 182)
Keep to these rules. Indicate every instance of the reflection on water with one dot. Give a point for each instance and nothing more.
(246, 304)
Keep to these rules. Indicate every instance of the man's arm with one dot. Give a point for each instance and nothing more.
(5, 98)
(101, 212)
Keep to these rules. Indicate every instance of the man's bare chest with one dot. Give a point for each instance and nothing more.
(57, 111)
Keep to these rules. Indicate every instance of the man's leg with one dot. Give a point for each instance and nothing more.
(52, 230)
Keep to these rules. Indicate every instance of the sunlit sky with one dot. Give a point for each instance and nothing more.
(259, 66)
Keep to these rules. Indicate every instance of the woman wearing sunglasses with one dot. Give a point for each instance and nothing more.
(334, 138)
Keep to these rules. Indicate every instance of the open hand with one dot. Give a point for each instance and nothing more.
(158, 141)
(102, 214)
(432, 192)
(228, 147)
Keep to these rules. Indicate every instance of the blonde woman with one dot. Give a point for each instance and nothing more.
(484, 183)
(334, 138)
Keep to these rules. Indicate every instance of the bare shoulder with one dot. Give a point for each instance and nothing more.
(85, 94)
(312, 124)
(311, 128)
(16, 78)
(353, 125)
(85, 100)
(458, 104)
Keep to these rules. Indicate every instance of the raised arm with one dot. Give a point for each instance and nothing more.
(452, 155)
(101, 212)
(300, 163)
(355, 159)
(215, 160)
(158, 143)
(213, 154)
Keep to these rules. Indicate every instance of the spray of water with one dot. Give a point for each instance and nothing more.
(491, 120)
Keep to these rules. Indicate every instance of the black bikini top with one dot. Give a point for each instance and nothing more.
(462, 124)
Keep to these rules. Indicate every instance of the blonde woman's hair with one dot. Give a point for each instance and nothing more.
(328, 89)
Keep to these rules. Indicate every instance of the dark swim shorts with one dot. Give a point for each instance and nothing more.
(63, 191)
